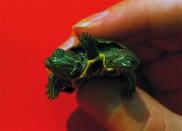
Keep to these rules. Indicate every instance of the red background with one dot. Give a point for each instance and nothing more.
(30, 31)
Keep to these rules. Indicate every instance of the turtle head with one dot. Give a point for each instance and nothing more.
(63, 63)
(127, 60)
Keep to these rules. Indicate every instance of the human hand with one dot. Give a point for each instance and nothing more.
(153, 30)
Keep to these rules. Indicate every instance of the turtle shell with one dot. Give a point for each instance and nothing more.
(117, 56)
(102, 46)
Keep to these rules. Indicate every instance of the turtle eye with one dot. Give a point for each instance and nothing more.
(58, 52)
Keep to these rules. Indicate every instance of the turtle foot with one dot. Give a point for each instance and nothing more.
(128, 90)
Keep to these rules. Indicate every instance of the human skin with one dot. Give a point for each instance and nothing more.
(153, 30)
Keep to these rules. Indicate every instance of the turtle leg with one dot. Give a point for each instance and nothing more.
(128, 89)
(89, 43)
(103, 58)
(52, 91)
(57, 85)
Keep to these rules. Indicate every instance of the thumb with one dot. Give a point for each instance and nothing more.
(101, 99)
(133, 18)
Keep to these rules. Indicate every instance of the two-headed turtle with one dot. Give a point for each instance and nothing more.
(92, 58)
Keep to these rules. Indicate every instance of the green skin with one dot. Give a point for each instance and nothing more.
(92, 58)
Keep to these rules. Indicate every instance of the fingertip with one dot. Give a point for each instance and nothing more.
(117, 22)
(91, 19)
(92, 24)
(72, 41)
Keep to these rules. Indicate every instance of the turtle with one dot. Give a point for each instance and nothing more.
(92, 58)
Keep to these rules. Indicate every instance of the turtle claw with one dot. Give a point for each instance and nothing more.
(52, 92)
(89, 43)
(126, 93)
(57, 85)
(85, 37)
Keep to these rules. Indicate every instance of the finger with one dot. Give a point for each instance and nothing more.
(72, 41)
(134, 18)
(101, 99)
(164, 75)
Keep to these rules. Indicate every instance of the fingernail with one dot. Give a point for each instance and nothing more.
(72, 41)
(91, 19)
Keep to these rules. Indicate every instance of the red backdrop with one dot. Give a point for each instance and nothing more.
(30, 31)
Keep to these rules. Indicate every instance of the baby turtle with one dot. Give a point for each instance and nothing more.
(92, 58)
